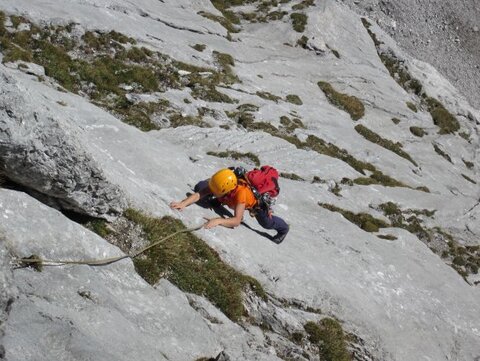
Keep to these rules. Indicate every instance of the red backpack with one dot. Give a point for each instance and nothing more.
(263, 180)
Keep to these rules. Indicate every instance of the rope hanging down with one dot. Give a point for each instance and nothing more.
(105, 261)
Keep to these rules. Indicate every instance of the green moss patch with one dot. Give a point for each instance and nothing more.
(349, 103)
(224, 21)
(107, 66)
(328, 335)
(294, 99)
(291, 176)
(190, 264)
(268, 96)
(299, 21)
(440, 152)
(290, 124)
(237, 156)
(367, 26)
(322, 147)
(378, 177)
(417, 131)
(303, 5)
(388, 237)
(412, 107)
(363, 220)
(199, 47)
(442, 118)
(468, 164)
(464, 259)
(385, 143)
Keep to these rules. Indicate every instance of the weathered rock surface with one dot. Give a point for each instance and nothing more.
(97, 313)
(39, 150)
(398, 296)
(442, 33)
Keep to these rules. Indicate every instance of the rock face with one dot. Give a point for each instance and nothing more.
(442, 33)
(406, 297)
(39, 150)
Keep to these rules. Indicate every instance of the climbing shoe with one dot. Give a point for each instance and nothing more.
(279, 237)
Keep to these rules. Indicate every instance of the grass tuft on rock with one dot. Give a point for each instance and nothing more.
(349, 103)
(363, 220)
(190, 264)
(417, 131)
(299, 21)
(328, 335)
(291, 176)
(199, 47)
(108, 66)
(385, 143)
(268, 96)
(237, 156)
(294, 99)
(442, 118)
(440, 152)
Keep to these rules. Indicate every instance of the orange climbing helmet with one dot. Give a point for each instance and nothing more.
(222, 182)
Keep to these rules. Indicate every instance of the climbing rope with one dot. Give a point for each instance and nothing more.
(100, 262)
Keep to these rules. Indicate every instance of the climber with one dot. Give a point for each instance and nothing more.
(227, 187)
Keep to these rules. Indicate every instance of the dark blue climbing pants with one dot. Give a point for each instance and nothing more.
(270, 221)
(266, 220)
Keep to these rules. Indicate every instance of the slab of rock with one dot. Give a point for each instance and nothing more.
(39, 151)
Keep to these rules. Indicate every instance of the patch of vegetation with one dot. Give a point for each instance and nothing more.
(468, 179)
(412, 107)
(395, 120)
(190, 264)
(302, 42)
(199, 47)
(334, 52)
(423, 189)
(465, 136)
(464, 259)
(291, 176)
(389, 237)
(97, 40)
(247, 120)
(328, 335)
(108, 66)
(291, 124)
(237, 155)
(408, 220)
(367, 26)
(226, 61)
(227, 23)
(322, 147)
(299, 21)
(399, 71)
(417, 131)
(442, 153)
(385, 143)
(294, 99)
(378, 177)
(363, 220)
(442, 118)
(268, 96)
(303, 5)
(349, 103)
(99, 226)
(468, 164)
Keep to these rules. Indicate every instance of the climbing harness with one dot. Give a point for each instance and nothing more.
(100, 262)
